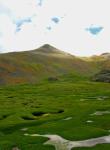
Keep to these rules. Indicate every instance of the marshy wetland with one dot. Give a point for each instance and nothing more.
(73, 111)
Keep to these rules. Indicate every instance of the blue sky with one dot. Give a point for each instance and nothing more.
(76, 26)
(20, 22)
(94, 30)
(40, 2)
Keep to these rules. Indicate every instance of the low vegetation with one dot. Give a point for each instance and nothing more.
(44, 107)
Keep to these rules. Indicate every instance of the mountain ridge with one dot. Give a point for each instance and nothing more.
(51, 48)
(39, 64)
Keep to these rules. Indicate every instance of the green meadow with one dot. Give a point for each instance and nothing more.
(65, 107)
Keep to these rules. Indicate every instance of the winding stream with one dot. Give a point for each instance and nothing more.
(62, 144)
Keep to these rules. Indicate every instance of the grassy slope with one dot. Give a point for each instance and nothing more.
(72, 93)
(78, 100)
(47, 61)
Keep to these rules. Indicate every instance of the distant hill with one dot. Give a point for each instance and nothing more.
(103, 64)
(102, 61)
(39, 64)
(102, 76)
(105, 55)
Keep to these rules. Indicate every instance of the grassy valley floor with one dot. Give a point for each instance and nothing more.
(74, 110)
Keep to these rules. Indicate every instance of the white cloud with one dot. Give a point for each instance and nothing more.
(21, 8)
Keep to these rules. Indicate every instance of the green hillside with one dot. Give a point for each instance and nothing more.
(41, 64)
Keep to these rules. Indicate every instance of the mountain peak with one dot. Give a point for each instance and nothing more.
(48, 47)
